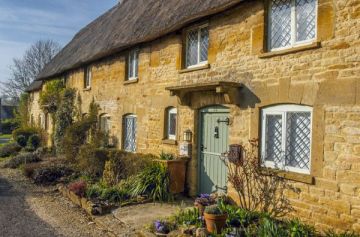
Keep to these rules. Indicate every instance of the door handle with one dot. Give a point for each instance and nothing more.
(202, 147)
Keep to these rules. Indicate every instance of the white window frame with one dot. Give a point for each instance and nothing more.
(199, 63)
(283, 110)
(88, 77)
(293, 42)
(133, 68)
(171, 111)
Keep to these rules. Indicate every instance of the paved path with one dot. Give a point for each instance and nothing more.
(31, 211)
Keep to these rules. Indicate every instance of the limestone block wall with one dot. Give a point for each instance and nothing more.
(324, 75)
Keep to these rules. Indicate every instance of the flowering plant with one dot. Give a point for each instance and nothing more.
(205, 200)
(162, 227)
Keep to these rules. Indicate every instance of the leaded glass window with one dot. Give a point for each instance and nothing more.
(291, 22)
(286, 137)
(133, 64)
(197, 44)
(171, 123)
(129, 133)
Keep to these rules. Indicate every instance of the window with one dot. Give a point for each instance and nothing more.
(291, 22)
(171, 114)
(197, 43)
(87, 77)
(133, 64)
(105, 123)
(286, 137)
(129, 127)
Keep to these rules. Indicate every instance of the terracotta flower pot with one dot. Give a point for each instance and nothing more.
(177, 171)
(215, 223)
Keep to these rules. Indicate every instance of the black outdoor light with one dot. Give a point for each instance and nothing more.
(187, 136)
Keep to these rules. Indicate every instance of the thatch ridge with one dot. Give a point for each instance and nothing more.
(129, 23)
(34, 86)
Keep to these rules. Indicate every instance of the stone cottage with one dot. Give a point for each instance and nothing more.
(284, 71)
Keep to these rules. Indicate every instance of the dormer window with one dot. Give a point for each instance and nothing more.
(197, 43)
(87, 77)
(291, 23)
(133, 65)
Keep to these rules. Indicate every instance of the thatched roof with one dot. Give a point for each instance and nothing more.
(127, 24)
(34, 86)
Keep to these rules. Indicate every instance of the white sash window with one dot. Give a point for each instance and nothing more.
(133, 64)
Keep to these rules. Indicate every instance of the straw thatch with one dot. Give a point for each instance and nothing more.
(34, 86)
(129, 23)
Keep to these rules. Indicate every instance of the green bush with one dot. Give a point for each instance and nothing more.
(114, 194)
(153, 181)
(34, 142)
(9, 125)
(21, 140)
(188, 217)
(22, 158)
(10, 149)
(46, 175)
(91, 160)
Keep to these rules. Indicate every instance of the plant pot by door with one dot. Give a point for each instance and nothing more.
(215, 223)
(177, 172)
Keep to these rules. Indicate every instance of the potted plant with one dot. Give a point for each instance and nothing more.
(215, 219)
(177, 170)
(203, 201)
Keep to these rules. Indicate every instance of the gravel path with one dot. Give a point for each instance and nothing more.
(31, 211)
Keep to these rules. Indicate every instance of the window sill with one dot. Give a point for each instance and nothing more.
(302, 178)
(196, 68)
(87, 89)
(131, 81)
(295, 49)
(169, 142)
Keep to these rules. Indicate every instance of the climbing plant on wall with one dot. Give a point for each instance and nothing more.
(50, 97)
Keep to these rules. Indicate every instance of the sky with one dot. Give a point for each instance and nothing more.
(23, 22)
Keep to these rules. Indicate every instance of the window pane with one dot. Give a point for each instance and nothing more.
(273, 138)
(298, 140)
(280, 23)
(136, 62)
(305, 19)
(172, 124)
(131, 65)
(130, 134)
(192, 48)
(204, 44)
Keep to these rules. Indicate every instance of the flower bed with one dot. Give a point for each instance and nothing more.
(224, 219)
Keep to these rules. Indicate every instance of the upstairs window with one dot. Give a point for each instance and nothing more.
(87, 77)
(291, 22)
(197, 43)
(171, 114)
(133, 65)
(286, 138)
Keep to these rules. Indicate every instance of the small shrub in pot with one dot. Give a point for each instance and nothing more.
(215, 219)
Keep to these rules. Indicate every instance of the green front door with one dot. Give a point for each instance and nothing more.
(214, 136)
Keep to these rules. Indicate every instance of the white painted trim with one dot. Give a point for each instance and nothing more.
(198, 30)
(169, 112)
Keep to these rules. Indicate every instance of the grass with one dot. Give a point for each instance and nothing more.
(5, 139)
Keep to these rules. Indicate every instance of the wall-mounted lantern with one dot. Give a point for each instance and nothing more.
(187, 136)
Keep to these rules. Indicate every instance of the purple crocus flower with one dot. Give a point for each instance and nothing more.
(205, 195)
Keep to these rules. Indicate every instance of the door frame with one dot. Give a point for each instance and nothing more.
(217, 108)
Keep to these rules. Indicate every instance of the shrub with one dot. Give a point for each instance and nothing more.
(189, 217)
(9, 150)
(9, 125)
(152, 181)
(47, 175)
(166, 156)
(91, 161)
(21, 140)
(26, 132)
(22, 158)
(297, 229)
(113, 194)
(75, 136)
(79, 188)
(34, 142)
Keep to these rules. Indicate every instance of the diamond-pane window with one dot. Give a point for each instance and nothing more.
(291, 22)
(171, 123)
(130, 133)
(197, 44)
(286, 137)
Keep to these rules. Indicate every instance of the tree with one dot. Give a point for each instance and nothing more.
(26, 69)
